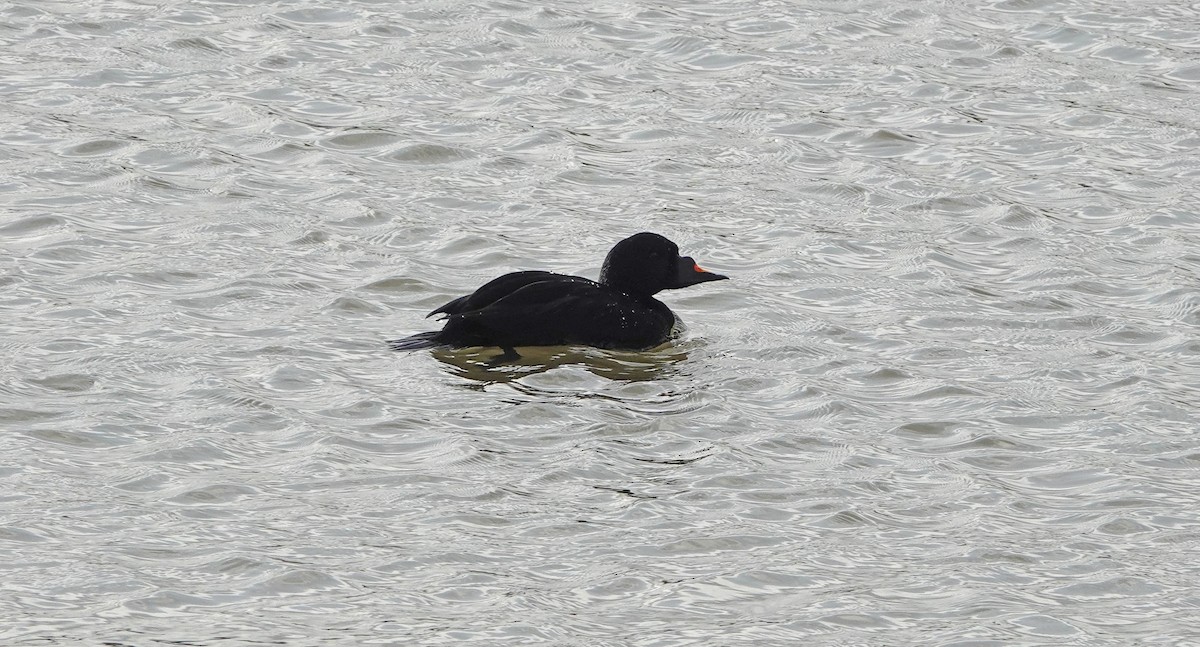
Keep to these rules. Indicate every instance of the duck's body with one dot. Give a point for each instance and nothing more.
(536, 308)
(557, 310)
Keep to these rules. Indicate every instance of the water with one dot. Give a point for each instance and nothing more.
(948, 398)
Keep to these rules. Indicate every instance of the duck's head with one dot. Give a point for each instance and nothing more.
(646, 263)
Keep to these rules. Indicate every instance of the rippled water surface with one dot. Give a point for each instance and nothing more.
(948, 398)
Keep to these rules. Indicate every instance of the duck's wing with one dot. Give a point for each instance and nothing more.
(498, 288)
(563, 312)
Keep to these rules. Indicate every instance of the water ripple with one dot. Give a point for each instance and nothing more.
(947, 398)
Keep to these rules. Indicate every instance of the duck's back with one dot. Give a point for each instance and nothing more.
(498, 288)
(562, 310)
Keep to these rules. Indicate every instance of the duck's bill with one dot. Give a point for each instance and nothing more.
(690, 273)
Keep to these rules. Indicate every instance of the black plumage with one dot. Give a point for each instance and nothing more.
(535, 308)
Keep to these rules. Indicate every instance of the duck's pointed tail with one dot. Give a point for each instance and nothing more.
(416, 342)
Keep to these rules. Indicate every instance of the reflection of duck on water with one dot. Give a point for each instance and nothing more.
(548, 309)
(480, 364)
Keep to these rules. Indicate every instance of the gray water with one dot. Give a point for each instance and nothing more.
(948, 398)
